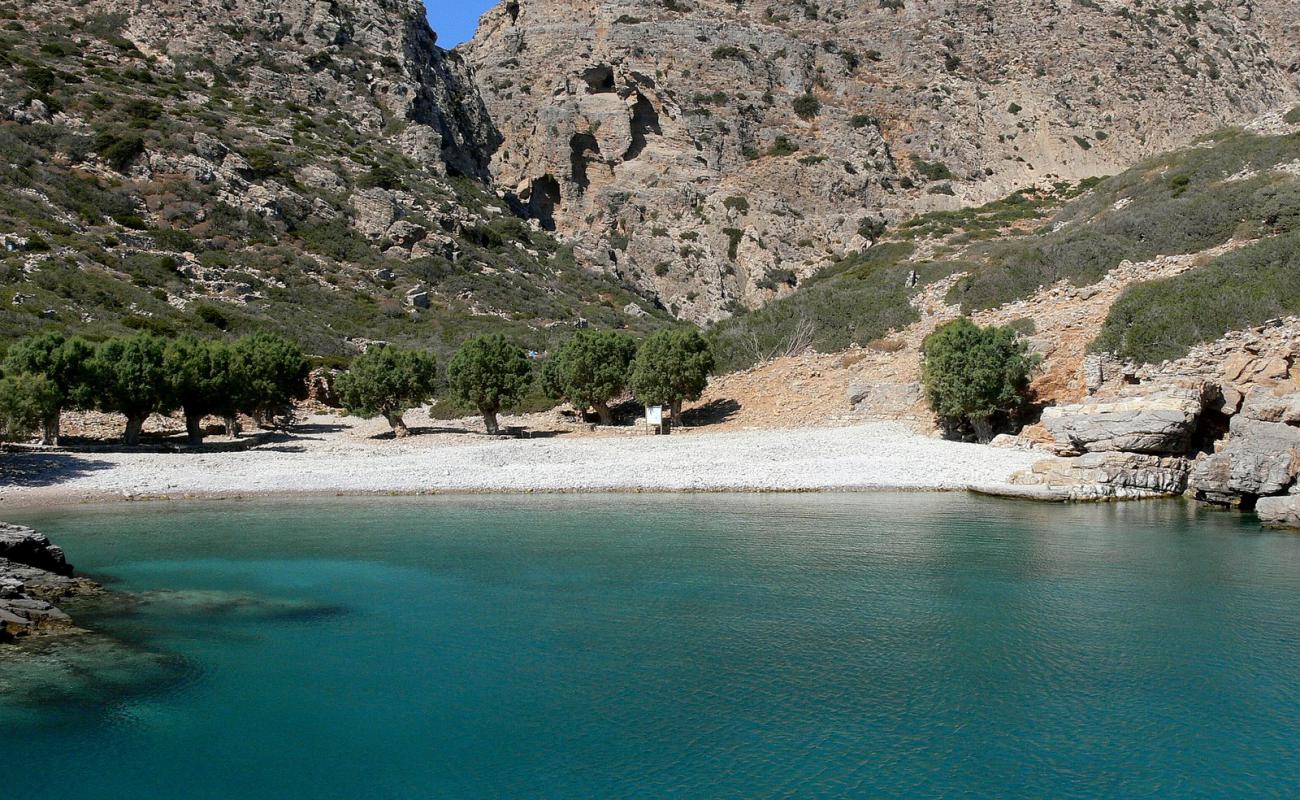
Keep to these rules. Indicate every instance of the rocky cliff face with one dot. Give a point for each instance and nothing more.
(373, 61)
(177, 166)
(717, 152)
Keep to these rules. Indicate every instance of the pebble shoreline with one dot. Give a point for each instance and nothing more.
(870, 456)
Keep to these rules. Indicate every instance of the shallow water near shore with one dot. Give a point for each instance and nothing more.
(873, 645)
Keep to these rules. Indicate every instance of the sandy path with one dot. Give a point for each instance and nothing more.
(875, 455)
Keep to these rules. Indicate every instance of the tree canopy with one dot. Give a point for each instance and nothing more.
(489, 373)
(590, 369)
(130, 378)
(387, 381)
(972, 374)
(26, 402)
(672, 366)
(63, 362)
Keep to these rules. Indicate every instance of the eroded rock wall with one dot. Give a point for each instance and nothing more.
(717, 152)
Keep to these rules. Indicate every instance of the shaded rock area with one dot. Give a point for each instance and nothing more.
(1259, 459)
(34, 576)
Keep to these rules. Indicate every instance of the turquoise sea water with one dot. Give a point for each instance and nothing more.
(698, 647)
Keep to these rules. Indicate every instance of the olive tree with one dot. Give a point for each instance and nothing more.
(590, 369)
(202, 381)
(670, 367)
(385, 382)
(268, 373)
(64, 362)
(130, 378)
(26, 402)
(972, 374)
(490, 374)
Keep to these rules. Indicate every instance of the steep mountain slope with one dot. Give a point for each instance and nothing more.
(718, 152)
(313, 166)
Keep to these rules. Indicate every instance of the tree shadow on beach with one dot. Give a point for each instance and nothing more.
(714, 412)
(34, 470)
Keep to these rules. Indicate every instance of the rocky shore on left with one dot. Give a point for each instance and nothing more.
(35, 580)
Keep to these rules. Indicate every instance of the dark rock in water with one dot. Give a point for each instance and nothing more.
(26, 546)
(34, 576)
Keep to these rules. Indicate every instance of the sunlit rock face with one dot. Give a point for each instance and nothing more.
(714, 152)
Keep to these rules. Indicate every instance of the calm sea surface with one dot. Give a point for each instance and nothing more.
(859, 646)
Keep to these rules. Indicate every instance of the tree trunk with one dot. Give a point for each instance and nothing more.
(134, 427)
(194, 427)
(676, 408)
(400, 431)
(490, 420)
(50, 429)
(232, 425)
(602, 411)
(983, 429)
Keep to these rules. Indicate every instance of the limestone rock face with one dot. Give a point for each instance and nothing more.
(325, 52)
(696, 147)
(1108, 476)
(1160, 422)
(1279, 512)
(1261, 456)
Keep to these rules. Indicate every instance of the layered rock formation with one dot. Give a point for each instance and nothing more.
(1222, 425)
(34, 576)
(716, 152)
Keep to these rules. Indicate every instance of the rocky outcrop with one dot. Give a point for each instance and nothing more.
(1279, 512)
(1108, 476)
(34, 576)
(699, 147)
(1259, 459)
(1160, 422)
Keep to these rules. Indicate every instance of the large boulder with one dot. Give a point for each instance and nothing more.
(1156, 423)
(1279, 512)
(25, 546)
(1108, 476)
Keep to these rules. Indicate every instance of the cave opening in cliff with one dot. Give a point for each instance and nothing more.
(513, 10)
(580, 146)
(600, 79)
(1212, 427)
(645, 121)
(543, 197)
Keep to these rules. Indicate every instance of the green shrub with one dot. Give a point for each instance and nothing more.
(932, 170)
(807, 106)
(1163, 319)
(856, 300)
(974, 376)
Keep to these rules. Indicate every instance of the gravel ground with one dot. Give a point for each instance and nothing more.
(340, 456)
